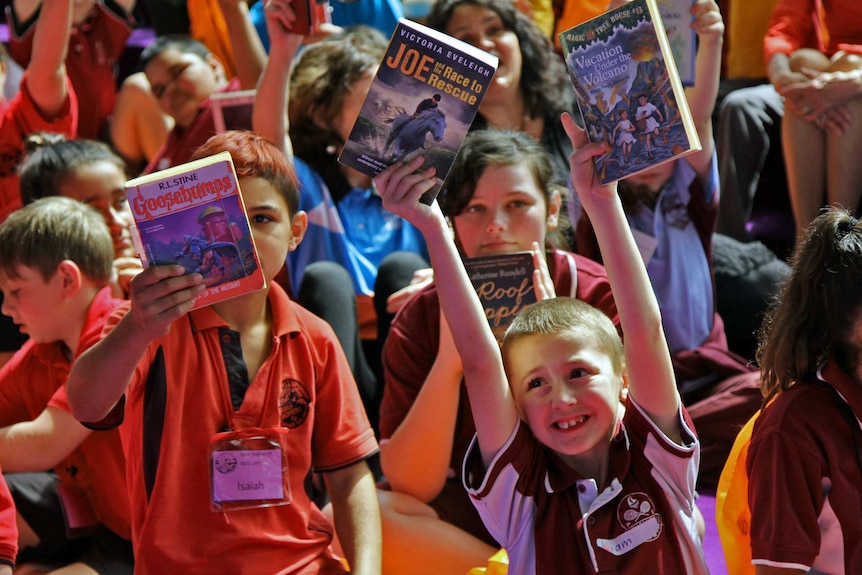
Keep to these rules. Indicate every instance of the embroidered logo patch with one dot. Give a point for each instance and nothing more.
(293, 404)
(637, 515)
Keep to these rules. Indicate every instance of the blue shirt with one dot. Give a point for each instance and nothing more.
(358, 233)
(380, 14)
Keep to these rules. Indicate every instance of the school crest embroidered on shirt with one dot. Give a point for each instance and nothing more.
(637, 515)
(293, 403)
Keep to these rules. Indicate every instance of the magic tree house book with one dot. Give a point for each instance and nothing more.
(422, 100)
(628, 89)
(193, 215)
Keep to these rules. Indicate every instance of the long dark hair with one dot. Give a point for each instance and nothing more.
(544, 80)
(817, 307)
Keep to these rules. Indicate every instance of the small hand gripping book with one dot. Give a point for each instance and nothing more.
(423, 99)
(504, 284)
(193, 215)
(628, 89)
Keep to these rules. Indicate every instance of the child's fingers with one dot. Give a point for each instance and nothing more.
(542, 282)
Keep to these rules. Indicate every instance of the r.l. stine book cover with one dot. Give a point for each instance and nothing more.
(628, 90)
(193, 215)
(423, 99)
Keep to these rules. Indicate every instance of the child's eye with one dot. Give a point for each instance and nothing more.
(534, 383)
(517, 204)
(260, 219)
(578, 373)
(474, 209)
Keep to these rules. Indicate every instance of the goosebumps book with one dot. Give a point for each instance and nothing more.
(504, 284)
(193, 215)
(423, 100)
(628, 89)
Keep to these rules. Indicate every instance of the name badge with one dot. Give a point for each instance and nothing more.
(647, 530)
(248, 469)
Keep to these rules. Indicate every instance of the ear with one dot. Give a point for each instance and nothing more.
(217, 68)
(70, 277)
(624, 385)
(555, 202)
(298, 225)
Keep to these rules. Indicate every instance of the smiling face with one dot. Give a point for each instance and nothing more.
(275, 232)
(506, 214)
(100, 185)
(25, 298)
(181, 82)
(483, 28)
(568, 392)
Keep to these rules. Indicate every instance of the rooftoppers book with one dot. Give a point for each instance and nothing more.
(628, 90)
(423, 100)
(193, 215)
(504, 284)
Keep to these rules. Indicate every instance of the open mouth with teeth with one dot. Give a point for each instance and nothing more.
(570, 423)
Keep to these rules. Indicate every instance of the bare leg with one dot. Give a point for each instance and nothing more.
(844, 170)
(416, 541)
(804, 158)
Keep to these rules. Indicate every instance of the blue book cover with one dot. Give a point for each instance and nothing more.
(629, 90)
(423, 99)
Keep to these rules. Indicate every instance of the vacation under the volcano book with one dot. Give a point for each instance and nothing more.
(628, 89)
(423, 100)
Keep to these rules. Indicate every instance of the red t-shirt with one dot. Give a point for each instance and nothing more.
(8, 525)
(20, 118)
(180, 396)
(795, 24)
(35, 378)
(95, 47)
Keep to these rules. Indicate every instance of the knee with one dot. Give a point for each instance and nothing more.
(808, 58)
(396, 270)
(325, 283)
(845, 62)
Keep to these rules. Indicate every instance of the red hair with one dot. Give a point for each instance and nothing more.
(256, 157)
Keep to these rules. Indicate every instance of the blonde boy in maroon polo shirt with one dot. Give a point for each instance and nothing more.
(561, 477)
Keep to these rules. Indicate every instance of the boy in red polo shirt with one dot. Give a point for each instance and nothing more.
(569, 474)
(56, 262)
(251, 377)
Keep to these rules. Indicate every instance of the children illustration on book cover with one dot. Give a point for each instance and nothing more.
(624, 90)
(423, 100)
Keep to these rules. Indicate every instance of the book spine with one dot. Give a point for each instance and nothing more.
(673, 76)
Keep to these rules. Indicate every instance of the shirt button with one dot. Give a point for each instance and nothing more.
(582, 488)
(591, 520)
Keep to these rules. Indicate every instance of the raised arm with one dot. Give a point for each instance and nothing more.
(650, 372)
(248, 52)
(490, 398)
(46, 72)
(701, 97)
(99, 377)
(269, 117)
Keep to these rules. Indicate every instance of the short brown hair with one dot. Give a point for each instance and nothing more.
(560, 314)
(48, 231)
